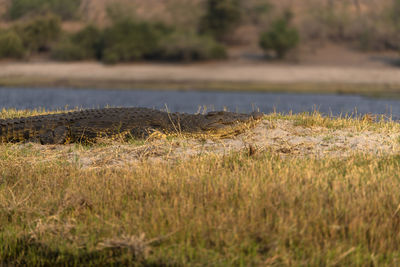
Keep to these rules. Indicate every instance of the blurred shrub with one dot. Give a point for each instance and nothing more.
(39, 33)
(127, 40)
(369, 36)
(371, 29)
(385, 31)
(117, 11)
(90, 39)
(85, 44)
(256, 12)
(181, 46)
(11, 45)
(221, 18)
(334, 22)
(376, 29)
(394, 14)
(68, 51)
(280, 38)
(66, 9)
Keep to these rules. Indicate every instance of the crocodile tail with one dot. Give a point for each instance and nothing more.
(14, 130)
(49, 129)
(3, 131)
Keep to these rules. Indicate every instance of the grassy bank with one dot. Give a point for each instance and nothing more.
(230, 210)
(238, 208)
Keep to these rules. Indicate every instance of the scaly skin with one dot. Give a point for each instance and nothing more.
(87, 125)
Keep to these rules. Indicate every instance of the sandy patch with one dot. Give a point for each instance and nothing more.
(211, 72)
(279, 136)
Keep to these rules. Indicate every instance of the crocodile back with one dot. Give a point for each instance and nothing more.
(90, 124)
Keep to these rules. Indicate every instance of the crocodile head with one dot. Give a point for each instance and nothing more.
(221, 123)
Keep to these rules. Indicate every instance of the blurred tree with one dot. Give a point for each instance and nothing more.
(281, 37)
(39, 33)
(11, 45)
(221, 18)
(64, 9)
(128, 40)
(395, 15)
(257, 12)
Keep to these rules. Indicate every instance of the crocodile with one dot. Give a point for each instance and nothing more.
(88, 125)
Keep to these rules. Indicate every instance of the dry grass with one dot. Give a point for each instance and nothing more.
(358, 123)
(240, 208)
(18, 113)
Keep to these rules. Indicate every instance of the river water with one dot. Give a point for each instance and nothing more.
(193, 101)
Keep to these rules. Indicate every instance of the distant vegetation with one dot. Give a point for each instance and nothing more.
(125, 35)
(127, 40)
(11, 45)
(187, 46)
(281, 37)
(375, 28)
(83, 45)
(65, 9)
(31, 37)
(39, 33)
(221, 18)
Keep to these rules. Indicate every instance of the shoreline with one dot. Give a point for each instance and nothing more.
(375, 82)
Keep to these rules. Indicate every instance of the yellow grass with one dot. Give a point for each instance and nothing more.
(243, 209)
(367, 122)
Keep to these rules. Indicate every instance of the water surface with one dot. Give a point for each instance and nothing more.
(192, 101)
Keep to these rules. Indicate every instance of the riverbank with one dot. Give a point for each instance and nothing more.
(300, 135)
(372, 81)
(295, 190)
